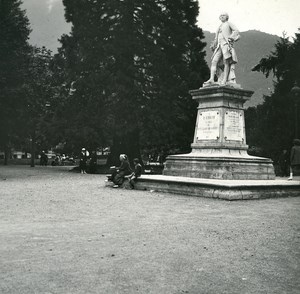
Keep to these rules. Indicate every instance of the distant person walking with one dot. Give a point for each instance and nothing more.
(82, 160)
(295, 158)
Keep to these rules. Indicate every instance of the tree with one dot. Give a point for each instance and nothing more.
(275, 117)
(38, 93)
(14, 33)
(129, 66)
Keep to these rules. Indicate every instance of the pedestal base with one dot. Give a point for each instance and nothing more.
(219, 149)
(219, 166)
(220, 189)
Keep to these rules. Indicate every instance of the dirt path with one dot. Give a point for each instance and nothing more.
(64, 232)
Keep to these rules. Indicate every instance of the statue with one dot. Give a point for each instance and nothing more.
(224, 57)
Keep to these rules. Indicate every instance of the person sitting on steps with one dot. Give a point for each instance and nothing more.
(120, 172)
(136, 174)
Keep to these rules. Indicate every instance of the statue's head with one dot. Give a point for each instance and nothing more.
(224, 16)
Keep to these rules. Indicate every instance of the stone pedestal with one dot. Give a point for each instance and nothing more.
(219, 149)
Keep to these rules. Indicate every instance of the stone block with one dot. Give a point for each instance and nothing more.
(220, 189)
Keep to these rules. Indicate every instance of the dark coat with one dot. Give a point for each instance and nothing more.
(82, 160)
(138, 170)
(122, 171)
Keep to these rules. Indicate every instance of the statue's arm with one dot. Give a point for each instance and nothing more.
(235, 34)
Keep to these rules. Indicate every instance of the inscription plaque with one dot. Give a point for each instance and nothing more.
(234, 126)
(208, 125)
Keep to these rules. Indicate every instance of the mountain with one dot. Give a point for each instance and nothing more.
(252, 46)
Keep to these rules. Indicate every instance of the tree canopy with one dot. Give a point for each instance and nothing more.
(272, 124)
(14, 48)
(127, 67)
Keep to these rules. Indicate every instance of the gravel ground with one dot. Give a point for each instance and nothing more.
(65, 232)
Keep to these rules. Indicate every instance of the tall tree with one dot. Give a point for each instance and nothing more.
(38, 93)
(129, 66)
(14, 33)
(276, 116)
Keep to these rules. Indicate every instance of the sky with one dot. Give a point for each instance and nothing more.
(270, 16)
(47, 22)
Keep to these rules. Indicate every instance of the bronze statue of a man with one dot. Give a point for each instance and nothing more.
(224, 57)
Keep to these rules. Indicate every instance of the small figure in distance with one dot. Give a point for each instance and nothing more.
(56, 161)
(295, 158)
(224, 57)
(119, 173)
(84, 154)
(136, 174)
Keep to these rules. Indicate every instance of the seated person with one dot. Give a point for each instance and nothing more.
(120, 172)
(136, 174)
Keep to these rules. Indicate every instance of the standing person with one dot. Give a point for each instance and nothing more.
(136, 174)
(120, 172)
(295, 158)
(82, 160)
(224, 57)
(283, 162)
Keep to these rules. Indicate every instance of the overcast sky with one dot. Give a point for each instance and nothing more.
(270, 16)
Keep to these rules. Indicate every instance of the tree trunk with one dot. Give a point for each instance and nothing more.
(32, 149)
(126, 141)
(6, 154)
(128, 144)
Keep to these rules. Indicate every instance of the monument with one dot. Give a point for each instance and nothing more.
(219, 149)
(218, 165)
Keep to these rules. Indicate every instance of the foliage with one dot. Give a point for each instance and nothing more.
(37, 96)
(275, 118)
(127, 67)
(14, 32)
(25, 82)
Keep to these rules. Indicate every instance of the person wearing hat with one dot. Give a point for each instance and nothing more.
(82, 160)
(295, 158)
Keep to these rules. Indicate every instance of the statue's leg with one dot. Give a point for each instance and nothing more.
(213, 67)
(226, 71)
